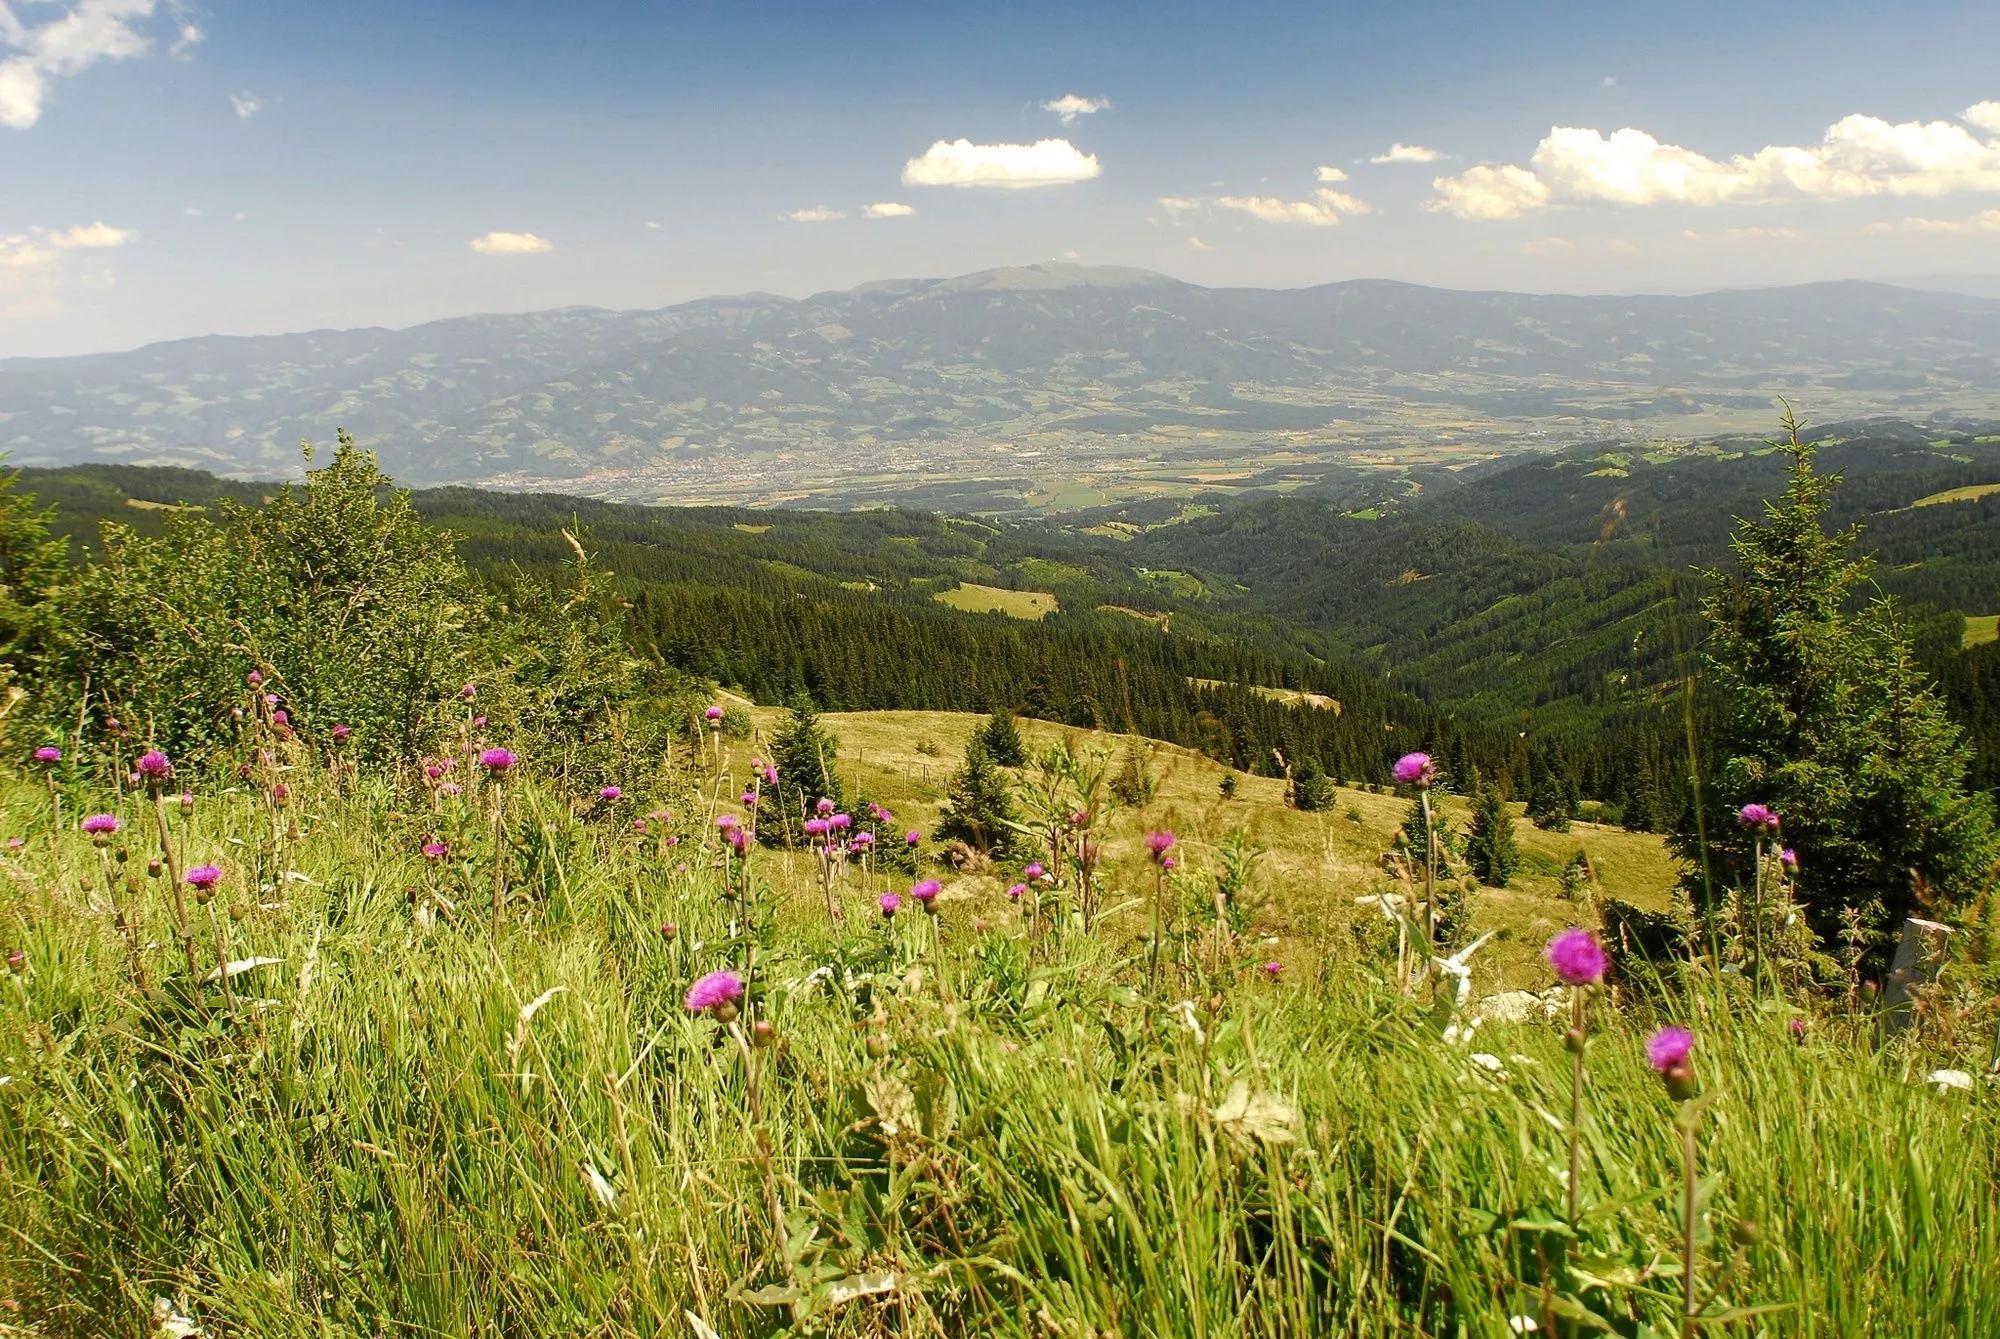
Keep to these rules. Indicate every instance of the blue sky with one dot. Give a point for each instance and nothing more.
(175, 169)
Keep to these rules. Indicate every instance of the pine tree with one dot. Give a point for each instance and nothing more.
(1490, 845)
(804, 754)
(1828, 719)
(1002, 739)
(978, 806)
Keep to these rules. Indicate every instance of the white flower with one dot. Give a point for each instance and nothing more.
(1945, 1080)
(1522, 1324)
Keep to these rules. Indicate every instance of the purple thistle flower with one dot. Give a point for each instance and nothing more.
(739, 838)
(889, 903)
(1798, 1029)
(253, 678)
(468, 692)
(912, 837)
(1759, 817)
(770, 776)
(713, 713)
(927, 891)
(1577, 957)
(435, 850)
(609, 793)
(841, 822)
(1274, 969)
(47, 753)
(726, 821)
(1169, 864)
(101, 824)
(1789, 858)
(1668, 1049)
(281, 717)
(204, 876)
(815, 827)
(824, 806)
(1015, 893)
(1034, 870)
(153, 766)
(340, 733)
(749, 799)
(497, 760)
(1159, 843)
(1414, 769)
(864, 839)
(450, 789)
(715, 992)
(479, 722)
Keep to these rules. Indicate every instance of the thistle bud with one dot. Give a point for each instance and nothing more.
(121, 853)
(237, 911)
(153, 868)
(878, 1045)
(669, 931)
(1574, 1041)
(17, 961)
(763, 1032)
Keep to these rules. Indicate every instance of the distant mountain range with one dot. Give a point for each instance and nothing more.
(938, 374)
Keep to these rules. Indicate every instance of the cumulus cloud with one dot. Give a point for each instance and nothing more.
(1985, 221)
(91, 235)
(1195, 243)
(1548, 246)
(1071, 105)
(246, 103)
(508, 244)
(888, 209)
(84, 33)
(816, 214)
(1322, 210)
(1329, 174)
(1489, 191)
(1738, 236)
(1400, 152)
(189, 37)
(1179, 204)
(1985, 115)
(960, 162)
(1857, 156)
(20, 253)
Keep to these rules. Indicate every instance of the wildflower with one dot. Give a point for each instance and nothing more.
(281, 717)
(497, 761)
(15, 843)
(433, 772)
(638, 825)
(912, 837)
(770, 776)
(1033, 871)
(1789, 859)
(1168, 864)
(1667, 1051)
(1159, 843)
(450, 789)
(726, 821)
(1015, 893)
(609, 793)
(739, 838)
(203, 877)
(840, 822)
(340, 733)
(1758, 817)
(1274, 969)
(749, 799)
(889, 903)
(863, 840)
(468, 692)
(101, 825)
(1798, 1026)
(479, 722)
(815, 827)
(926, 893)
(253, 678)
(669, 931)
(1414, 769)
(435, 850)
(824, 806)
(713, 713)
(1577, 957)
(716, 993)
(153, 767)
(48, 754)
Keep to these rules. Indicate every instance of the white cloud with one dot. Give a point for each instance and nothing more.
(1323, 210)
(86, 32)
(1489, 191)
(507, 244)
(1048, 162)
(1622, 246)
(1985, 221)
(888, 209)
(91, 235)
(1985, 115)
(1739, 236)
(1197, 244)
(246, 103)
(651, 226)
(1179, 204)
(1329, 174)
(1548, 246)
(1406, 153)
(1857, 156)
(816, 214)
(1070, 106)
(1609, 81)
(189, 37)
(19, 253)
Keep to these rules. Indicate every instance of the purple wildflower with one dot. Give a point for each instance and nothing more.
(824, 806)
(1034, 870)
(714, 993)
(204, 876)
(927, 891)
(1577, 957)
(1668, 1049)
(340, 733)
(435, 850)
(48, 754)
(497, 760)
(609, 793)
(1759, 817)
(1274, 969)
(1159, 843)
(450, 789)
(1789, 858)
(104, 824)
(890, 904)
(1014, 894)
(912, 837)
(1414, 769)
(153, 766)
(713, 713)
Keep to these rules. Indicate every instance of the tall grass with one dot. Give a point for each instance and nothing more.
(408, 1128)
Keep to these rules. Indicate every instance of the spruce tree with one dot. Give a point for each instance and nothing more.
(804, 754)
(1002, 739)
(1827, 718)
(1490, 845)
(978, 806)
